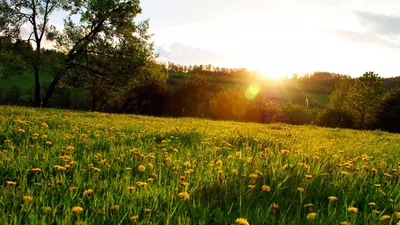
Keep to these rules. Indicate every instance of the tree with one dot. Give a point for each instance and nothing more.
(36, 13)
(389, 116)
(366, 97)
(105, 44)
(338, 112)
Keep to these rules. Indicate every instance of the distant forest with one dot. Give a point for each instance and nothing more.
(204, 91)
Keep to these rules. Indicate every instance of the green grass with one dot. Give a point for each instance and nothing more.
(220, 161)
(25, 82)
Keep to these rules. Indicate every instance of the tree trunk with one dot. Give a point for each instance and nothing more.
(38, 101)
(51, 89)
(362, 120)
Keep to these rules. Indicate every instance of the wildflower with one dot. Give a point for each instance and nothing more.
(183, 183)
(219, 162)
(300, 189)
(308, 205)
(251, 187)
(11, 183)
(253, 176)
(36, 170)
(187, 164)
(60, 168)
(88, 192)
(134, 218)
(141, 168)
(44, 125)
(184, 195)
(275, 206)
(352, 210)
(385, 217)
(48, 142)
(397, 214)
(46, 209)
(28, 198)
(242, 221)
(73, 188)
(147, 210)
(141, 184)
(372, 204)
(345, 223)
(332, 198)
(377, 185)
(99, 212)
(266, 188)
(43, 136)
(96, 169)
(115, 207)
(77, 209)
(376, 212)
(69, 148)
(308, 176)
(311, 216)
(285, 152)
(235, 171)
(128, 169)
(58, 181)
(131, 188)
(150, 180)
(21, 131)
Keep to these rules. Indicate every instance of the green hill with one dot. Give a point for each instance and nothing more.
(66, 167)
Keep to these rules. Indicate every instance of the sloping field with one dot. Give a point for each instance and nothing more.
(65, 167)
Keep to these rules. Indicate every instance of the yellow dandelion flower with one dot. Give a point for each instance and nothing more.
(28, 198)
(77, 209)
(147, 210)
(376, 212)
(58, 181)
(43, 136)
(128, 169)
(11, 183)
(242, 221)
(184, 195)
(266, 188)
(141, 184)
(134, 218)
(385, 217)
(115, 207)
(352, 209)
(285, 152)
(311, 216)
(345, 223)
(99, 212)
(131, 188)
(96, 169)
(235, 171)
(73, 188)
(308, 205)
(251, 187)
(44, 125)
(308, 176)
(300, 189)
(21, 131)
(141, 168)
(183, 183)
(46, 209)
(332, 198)
(397, 214)
(377, 185)
(253, 176)
(275, 206)
(88, 192)
(36, 170)
(372, 204)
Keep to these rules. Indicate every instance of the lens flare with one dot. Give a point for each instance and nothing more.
(252, 91)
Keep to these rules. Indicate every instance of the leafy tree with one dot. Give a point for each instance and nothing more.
(11, 64)
(36, 13)
(106, 43)
(366, 98)
(389, 116)
(338, 112)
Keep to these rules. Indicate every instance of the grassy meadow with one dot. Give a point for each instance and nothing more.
(66, 167)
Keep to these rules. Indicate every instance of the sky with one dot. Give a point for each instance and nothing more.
(278, 37)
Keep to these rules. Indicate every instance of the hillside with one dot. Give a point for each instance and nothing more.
(66, 167)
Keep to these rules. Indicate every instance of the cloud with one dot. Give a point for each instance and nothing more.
(380, 29)
(379, 23)
(185, 54)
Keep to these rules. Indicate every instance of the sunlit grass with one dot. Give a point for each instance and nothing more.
(65, 167)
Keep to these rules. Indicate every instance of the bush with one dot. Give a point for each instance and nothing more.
(389, 115)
